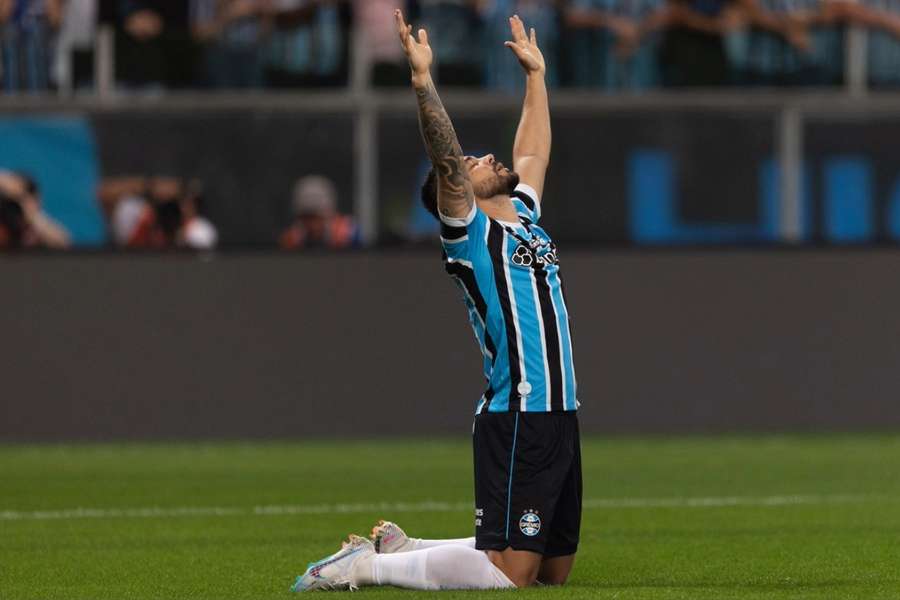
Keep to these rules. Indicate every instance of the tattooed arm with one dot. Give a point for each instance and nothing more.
(455, 195)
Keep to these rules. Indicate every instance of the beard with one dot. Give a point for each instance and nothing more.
(500, 183)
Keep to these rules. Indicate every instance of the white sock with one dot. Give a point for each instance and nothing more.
(420, 544)
(444, 567)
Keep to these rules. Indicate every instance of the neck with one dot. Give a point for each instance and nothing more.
(499, 208)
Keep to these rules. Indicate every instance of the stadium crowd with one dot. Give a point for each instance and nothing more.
(601, 44)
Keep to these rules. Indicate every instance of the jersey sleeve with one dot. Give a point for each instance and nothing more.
(460, 238)
(526, 202)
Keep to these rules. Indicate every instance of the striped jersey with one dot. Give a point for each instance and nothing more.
(510, 278)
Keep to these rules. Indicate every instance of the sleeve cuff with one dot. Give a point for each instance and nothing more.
(460, 221)
(528, 191)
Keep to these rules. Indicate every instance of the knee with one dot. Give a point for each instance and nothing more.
(522, 579)
(520, 567)
(520, 575)
(554, 579)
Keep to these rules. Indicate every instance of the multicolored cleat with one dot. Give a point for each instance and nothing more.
(335, 572)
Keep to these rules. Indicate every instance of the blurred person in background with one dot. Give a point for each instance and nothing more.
(23, 224)
(501, 72)
(231, 32)
(882, 18)
(590, 37)
(456, 25)
(629, 55)
(308, 45)
(826, 39)
(316, 221)
(375, 24)
(156, 213)
(693, 50)
(28, 30)
(75, 48)
(779, 49)
(154, 46)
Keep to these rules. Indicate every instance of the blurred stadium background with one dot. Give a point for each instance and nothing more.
(210, 229)
(725, 189)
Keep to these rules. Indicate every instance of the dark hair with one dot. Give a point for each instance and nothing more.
(430, 192)
(12, 218)
(31, 185)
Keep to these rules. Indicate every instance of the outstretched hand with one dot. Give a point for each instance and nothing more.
(418, 52)
(525, 47)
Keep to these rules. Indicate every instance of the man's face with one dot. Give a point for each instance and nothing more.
(489, 177)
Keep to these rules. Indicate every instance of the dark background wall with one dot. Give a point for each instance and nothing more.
(101, 347)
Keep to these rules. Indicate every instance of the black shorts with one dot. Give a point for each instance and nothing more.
(527, 482)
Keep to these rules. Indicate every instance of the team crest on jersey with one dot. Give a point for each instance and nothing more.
(530, 523)
(536, 253)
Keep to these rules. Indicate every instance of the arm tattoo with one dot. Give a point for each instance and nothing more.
(443, 148)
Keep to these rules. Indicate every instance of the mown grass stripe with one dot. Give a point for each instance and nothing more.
(413, 507)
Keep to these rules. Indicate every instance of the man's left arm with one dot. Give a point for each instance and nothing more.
(531, 151)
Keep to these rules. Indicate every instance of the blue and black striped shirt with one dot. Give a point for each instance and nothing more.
(510, 278)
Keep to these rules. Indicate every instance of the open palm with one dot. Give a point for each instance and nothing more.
(525, 47)
(418, 52)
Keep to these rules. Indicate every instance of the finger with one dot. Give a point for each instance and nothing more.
(517, 50)
(406, 38)
(423, 37)
(533, 37)
(517, 28)
(523, 37)
(402, 28)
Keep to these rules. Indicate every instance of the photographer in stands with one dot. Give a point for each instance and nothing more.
(22, 222)
(156, 213)
(316, 220)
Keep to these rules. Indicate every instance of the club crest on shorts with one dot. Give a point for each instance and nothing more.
(530, 523)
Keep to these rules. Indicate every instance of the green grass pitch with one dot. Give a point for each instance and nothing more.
(665, 518)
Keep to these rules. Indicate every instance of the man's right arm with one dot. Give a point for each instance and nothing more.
(455, 195)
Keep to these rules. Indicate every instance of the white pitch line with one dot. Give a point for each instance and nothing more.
(413, 507)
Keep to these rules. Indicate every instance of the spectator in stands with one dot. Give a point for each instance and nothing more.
(232, 32)
(826, 39)
(23, 224)
(75, 48)
(156, 213)
(28, 29)
(501, 70)
(308, 46)
(154, 47)
(693, 50)
(375, 23)
(590, 38)
(882, 18)
(629, 53)
(316, 221)
(454, 32)
(779, 48)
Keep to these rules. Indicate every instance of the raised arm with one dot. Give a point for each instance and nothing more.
(531, 151)
(455, 195)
